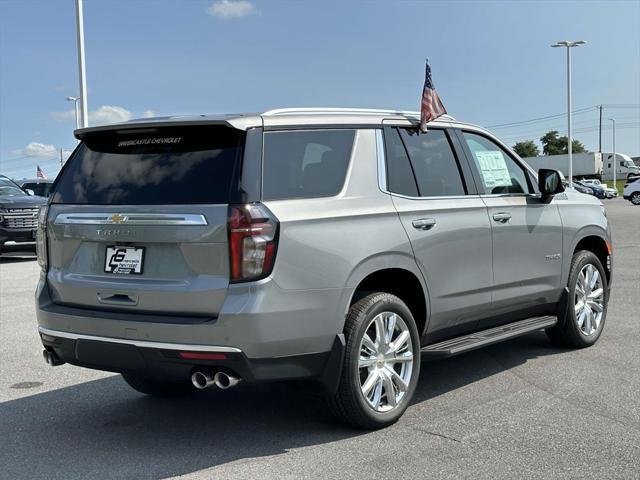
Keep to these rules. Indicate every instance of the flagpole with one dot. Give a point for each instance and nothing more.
(81, 64)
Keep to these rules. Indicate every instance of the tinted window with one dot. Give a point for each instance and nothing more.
(434, 163)
(40, 189)
(305, 163)
(500, 173)
(183, 165)
(400, 178)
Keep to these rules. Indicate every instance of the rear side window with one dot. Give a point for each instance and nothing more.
(305, 163)
(434, 164)
(180, 165)
(400, 178)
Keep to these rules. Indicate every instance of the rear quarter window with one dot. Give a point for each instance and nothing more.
(305, 163)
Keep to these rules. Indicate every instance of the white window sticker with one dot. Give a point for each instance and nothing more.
(493, 168)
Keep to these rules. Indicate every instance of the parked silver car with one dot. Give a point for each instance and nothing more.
(333, 244)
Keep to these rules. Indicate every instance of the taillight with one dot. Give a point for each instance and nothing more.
(41, 237)
(253, 241)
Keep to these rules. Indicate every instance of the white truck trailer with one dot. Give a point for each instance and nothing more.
(587, 165)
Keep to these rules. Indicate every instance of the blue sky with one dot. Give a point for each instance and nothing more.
(491, 63)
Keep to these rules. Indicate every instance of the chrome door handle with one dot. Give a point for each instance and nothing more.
(502, 217)
(424, 223)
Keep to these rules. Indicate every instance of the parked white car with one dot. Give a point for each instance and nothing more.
(632, 191)
(610, 192)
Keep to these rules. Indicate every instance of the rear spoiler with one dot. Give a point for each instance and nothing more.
(237, 122)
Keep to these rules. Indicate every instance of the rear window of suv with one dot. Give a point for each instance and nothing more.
(305, 163)
(178, 165)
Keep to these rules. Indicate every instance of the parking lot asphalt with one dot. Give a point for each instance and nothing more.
(520, 409)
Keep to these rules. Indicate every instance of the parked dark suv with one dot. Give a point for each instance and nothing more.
(340, 245)
(18, 213)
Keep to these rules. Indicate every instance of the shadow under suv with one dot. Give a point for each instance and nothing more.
(340, 245)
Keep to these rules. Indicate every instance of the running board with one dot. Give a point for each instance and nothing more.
(483, 338)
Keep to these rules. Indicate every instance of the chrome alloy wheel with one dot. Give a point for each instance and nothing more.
(589, 300)
(385, 362)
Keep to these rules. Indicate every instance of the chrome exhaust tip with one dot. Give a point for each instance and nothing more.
(223, 380)
(51, 358)
(202, 380)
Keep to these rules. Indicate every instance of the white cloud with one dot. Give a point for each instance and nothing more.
(148, 114)
(109, 114)
(37, 149)
(227, 9)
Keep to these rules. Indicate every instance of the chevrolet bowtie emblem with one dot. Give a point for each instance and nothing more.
(117, 218)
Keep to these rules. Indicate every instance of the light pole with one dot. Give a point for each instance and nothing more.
(568, 45)
(615, 167)
(81, 66)
(75, 105)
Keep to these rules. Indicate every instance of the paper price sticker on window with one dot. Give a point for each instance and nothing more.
(493, 168)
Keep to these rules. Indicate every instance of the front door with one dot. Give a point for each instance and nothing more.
(527, 232)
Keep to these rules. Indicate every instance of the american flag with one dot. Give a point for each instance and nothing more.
(40, 174)
(431, 107)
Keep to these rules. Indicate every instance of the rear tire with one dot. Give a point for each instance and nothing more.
(578, 326)
(379, 377)
(156, 388)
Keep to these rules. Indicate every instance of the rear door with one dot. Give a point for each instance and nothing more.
(138, 220)
(446, 221)
(527, 232)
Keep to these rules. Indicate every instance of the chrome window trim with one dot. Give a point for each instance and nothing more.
(129, 219)
(452, 197)
(139, 343)
(382, 176)
(382, 162)
(514, 195)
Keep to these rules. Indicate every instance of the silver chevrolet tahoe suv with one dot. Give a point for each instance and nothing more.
(340, 245)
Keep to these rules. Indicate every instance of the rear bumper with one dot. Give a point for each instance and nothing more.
(164, 361)
(264, 332)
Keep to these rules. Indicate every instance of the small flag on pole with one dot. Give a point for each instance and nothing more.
(431, 107)
(40, 174)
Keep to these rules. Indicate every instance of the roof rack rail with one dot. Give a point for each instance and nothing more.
(346, 111)
(343, 111)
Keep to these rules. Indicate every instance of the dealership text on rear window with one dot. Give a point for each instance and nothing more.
(151, 141)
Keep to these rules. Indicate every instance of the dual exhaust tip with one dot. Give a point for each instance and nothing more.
(200, 380)
(222, 380)
(51, 358)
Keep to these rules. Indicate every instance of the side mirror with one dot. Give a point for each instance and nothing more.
(550, 182)
(30, 192)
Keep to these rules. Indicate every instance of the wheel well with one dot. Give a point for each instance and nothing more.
(401, 283)
(598, 246)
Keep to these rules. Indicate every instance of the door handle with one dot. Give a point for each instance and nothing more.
(424, 223)
(502, 217)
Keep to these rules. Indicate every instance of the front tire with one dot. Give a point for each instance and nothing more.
(582, 316)
(381, 364)
(635, 198)
(156, 388)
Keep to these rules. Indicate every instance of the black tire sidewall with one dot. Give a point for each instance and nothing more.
(378, 303)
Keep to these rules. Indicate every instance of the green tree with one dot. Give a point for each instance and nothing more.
(554, 145)
(526, 149)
